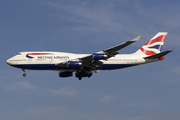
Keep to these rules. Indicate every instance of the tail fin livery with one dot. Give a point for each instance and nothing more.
(153, 46)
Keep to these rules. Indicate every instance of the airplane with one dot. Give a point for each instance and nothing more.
(84, 65)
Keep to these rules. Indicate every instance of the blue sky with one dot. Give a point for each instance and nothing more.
(146, 92)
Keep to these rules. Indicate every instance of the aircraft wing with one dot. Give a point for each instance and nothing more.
(92, 61)
(86, 61)
(110, 52)
(120, 46)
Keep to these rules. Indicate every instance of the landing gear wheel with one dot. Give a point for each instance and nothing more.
(80, 78)
(24, 74)
(89, 75)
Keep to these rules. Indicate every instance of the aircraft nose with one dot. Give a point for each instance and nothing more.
(8, 62)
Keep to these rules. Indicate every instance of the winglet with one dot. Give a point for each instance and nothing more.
(136, 39)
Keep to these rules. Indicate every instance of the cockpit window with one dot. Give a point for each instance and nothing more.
(19, 54)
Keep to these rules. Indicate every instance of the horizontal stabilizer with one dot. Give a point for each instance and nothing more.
(159, 55)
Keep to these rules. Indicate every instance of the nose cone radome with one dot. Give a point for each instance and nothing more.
(8, 62)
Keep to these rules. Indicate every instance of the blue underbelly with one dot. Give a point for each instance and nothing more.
(54, 67)
(113, 66)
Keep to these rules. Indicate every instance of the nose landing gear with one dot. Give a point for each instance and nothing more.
(24, 74)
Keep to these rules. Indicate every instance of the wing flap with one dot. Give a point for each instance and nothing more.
(93, 64)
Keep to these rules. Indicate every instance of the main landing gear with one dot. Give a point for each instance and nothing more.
(81, 74)
(24, 74)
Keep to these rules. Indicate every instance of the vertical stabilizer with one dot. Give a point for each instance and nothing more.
(153, 46)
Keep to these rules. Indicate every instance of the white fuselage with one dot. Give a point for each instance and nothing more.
(48, 61)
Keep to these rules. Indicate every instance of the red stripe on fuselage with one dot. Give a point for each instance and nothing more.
(38, 53)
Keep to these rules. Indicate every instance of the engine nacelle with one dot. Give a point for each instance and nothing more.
(65, 74)
(99, 56)
(73, 64)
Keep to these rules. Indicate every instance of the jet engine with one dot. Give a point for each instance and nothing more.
(73, 64)
(65, 74)
(99, 56)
